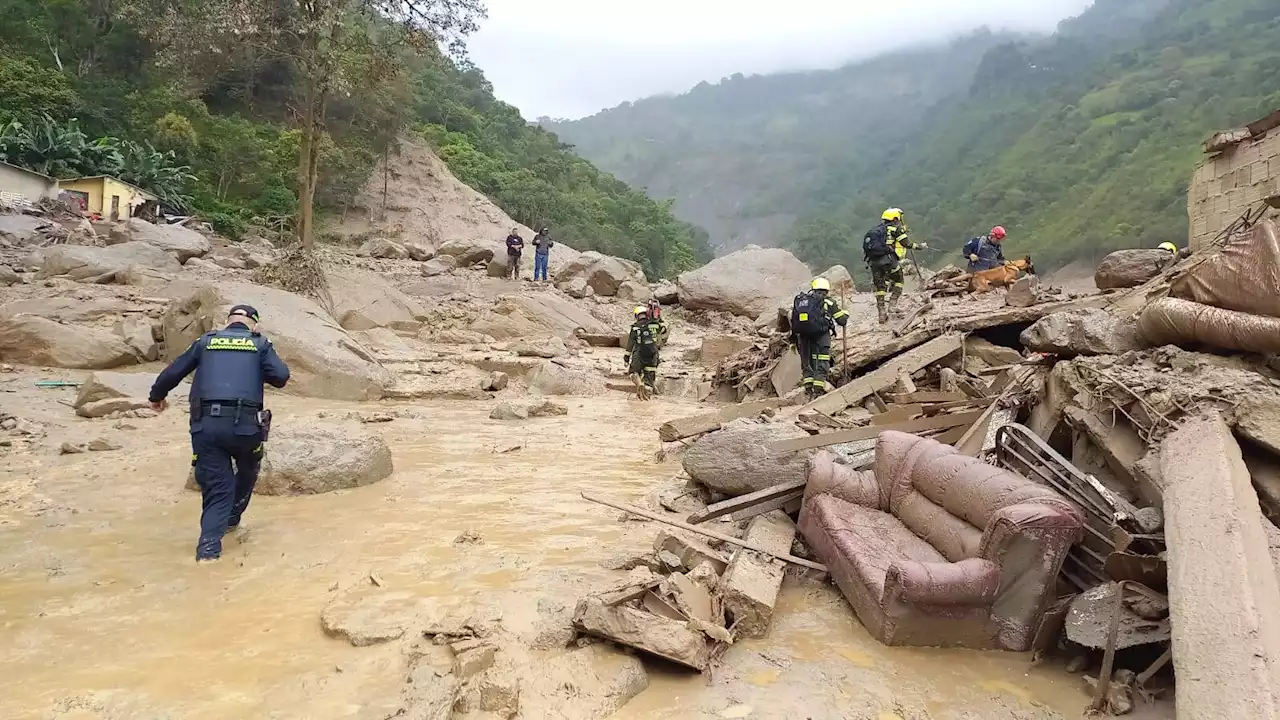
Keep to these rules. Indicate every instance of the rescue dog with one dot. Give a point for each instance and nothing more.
(1002, 276)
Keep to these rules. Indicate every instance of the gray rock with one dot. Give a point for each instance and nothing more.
(1081, 332)
(1130, 268)
(136, 331)
(632, 291)
(576, 287)
(602, 273)
(468, 252)
(509, 411)
(20, 229)
(737, 460)
(103, 386)
(439, 265)
(1023, 293)
(839, 277)
(383, 248)
(666, 292)
(321, 457)
(551, 347)
(324, 360)
(747, 282)
(419, 253)
(35, 340)
(552, 379)
(8, 276)
(496, 381)
(102, 265)
(176, 240)
(364, 300)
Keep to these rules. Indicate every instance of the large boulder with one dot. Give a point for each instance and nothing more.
(1130, 268)
(441, 265)
(746, 282)
(325, 361)
(102, 265)
(666, 292)
(320, 457)
(176, 240)
(551, 347)
(67, 309)
(383, 248)
(35, 340)
(363, 301)
(1081, 332)
(559, 315)
(561, 256)
(551, 378)
(603, 273)
(234, 257)
(106, 392)
(136, 331)
(737, 460)
(469, 252)
(8, 276)
(20, 229)
(634, 292)
(840, 279)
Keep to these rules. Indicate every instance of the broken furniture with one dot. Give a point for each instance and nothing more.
(936, 548)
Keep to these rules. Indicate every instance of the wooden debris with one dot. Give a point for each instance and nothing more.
(626, 594)
(733, 505)
(702, 531)
(886, 375)
(939, 422)
(897, 413)
(927, 397)
(680, 428)
(901, 328)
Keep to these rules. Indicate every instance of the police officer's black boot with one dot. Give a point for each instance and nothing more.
(208, 549)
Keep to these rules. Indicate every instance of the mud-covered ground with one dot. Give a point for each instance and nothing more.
(104, 614)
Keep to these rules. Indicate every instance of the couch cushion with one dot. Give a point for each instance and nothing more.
(869, 540)
(950, 535)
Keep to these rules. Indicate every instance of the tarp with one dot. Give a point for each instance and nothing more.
(1243, 276)
(1170, 321)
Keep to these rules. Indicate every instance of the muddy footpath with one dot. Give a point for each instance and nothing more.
(105, 615)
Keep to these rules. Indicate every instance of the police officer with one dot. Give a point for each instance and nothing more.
(647, 335)
(227, 420)
(814, 317)
(883, 249)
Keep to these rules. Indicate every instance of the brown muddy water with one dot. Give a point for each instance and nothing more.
(104, 614)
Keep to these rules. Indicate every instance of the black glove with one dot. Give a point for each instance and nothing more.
(627, 358)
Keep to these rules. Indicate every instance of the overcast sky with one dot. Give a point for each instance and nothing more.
(571, 58)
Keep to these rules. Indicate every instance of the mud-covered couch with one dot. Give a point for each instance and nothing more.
(936, 548)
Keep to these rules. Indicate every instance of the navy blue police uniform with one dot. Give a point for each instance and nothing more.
(231, 366)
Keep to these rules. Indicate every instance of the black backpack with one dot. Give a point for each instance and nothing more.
(646, 343)
(808, 316)
(875, 245)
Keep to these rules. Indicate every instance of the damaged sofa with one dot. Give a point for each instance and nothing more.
(934, 548)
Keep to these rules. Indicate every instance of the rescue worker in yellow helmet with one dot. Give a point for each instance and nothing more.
(883, 248)
(642, 356)
(814, 317)
(1174, 253)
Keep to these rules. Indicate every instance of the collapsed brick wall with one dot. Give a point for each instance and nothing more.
(1228, 183)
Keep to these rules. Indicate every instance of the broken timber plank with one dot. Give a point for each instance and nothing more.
(950, 437)
(940, 422)
(617, 597)
(751, 583)
(886, 375)
(788, 504)
(901, 329)
(897, 413)
(728, 507)
(684, 427)
(927, 397)
(638, 512)
(875, 350)
(1223, 589)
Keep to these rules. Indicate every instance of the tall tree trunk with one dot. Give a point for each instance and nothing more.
(306, 193)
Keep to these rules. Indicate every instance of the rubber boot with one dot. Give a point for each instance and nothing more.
(208, 549)
(894, 297)
(884, 315)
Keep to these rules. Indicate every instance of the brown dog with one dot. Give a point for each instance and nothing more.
(1002, 276)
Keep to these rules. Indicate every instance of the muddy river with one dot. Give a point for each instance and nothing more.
(103, 613)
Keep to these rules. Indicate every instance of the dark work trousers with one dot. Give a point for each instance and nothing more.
(513, 266)
(887, 277)
(815, 361)
(228, 455)
(646, 366)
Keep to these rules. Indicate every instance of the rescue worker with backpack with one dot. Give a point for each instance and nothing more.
(984, 252)
(647, 335)
(814, 317)
(883, 249)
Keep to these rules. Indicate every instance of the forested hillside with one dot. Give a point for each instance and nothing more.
(210, 113)
(745, 157)
(1080, 143)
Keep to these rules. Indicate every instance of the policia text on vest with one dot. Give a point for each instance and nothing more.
(228, 420)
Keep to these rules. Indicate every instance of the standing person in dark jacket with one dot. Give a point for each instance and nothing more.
(542, 244)
(515, 250)
(984, 252)
(228, 422)
(814, 316)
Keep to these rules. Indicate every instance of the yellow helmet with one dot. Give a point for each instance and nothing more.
(820, 284)
(1168, 246)
(892, 214)
(639, 310)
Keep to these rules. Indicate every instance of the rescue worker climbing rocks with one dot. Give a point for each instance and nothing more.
(984, 252)
(883, 249)
(228, 422)
(647, 335)
(814, 317)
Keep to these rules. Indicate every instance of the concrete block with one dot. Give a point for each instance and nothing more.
(752, 581)
(1223, 590)
(690, 552)
(664, 637)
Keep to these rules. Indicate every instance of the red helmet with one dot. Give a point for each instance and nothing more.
(998, 232)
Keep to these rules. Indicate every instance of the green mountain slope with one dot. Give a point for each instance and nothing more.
(83, 90)
(743, 158)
